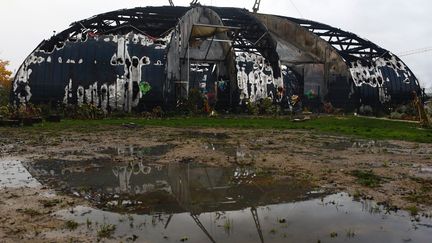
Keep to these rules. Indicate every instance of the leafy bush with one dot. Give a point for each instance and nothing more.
(262, 107)
(4, 96)
(252, 108)
(193, 105)
(157, 112)
(267, 107)
(22, 112)
(6, 111)
(84, 112)
(5, 83)
(195, 101)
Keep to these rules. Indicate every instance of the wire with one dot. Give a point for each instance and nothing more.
(415, 52)
(298, 11)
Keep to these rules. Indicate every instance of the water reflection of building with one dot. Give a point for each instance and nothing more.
(176, 188)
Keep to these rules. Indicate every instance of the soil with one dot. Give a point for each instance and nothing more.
(328, 161)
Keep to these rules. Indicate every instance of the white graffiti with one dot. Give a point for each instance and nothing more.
(21, 85)
(372, 75)
(253, 84)
(124, 93)
(68, 92)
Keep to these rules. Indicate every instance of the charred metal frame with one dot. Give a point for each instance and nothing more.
(350, 46)
(150, 21)
(159, 21)
(248, 33)
(253, 35)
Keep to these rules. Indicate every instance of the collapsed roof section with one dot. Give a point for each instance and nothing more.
(248, 56)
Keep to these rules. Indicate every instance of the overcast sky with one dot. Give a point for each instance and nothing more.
(396, 25)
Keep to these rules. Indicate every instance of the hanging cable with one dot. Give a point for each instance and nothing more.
(415, 52)
(298, 11)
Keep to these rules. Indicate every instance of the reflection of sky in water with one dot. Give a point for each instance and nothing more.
(205, 204)
(307, 221)
(14, 175)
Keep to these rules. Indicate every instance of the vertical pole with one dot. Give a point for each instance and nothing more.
(188, 70)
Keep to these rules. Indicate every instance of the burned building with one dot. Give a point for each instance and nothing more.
(136, 59)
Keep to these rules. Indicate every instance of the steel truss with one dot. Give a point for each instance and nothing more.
(350, 46)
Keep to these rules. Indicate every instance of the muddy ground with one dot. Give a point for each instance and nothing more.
(402, 177)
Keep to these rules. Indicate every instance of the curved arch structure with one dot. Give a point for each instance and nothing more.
(152, 56)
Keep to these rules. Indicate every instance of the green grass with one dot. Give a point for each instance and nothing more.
(71, 225)
(413, 210)
(355, 126)
(106, 231)
(367, 178)
(29, 211)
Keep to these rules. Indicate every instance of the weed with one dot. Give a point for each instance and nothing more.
(350, 233)
(424, 194)
(106, 231)
(88, 223)
(49, 203)
(227, 225)
(333, 234)
(413, 210)
(71, 225)
(30, 212)
(367, 178)
(357, 195)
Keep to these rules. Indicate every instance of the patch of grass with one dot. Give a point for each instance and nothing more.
(350, 125)
(424, 194)
(367, 178)
(49, 203)
(88, 223)
(30, 212)
(413, 210)
(106, 231)
(350, 233)
(357, 195)
(227, 225)
(71, 225)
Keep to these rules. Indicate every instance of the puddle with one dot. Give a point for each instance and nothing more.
(191, 202)
(335, 218)
(207, 135)
(139, 152)
(366, 145)
(240, 153)
(14, 175)
(426, 170)
(175, 188)
(423, 172)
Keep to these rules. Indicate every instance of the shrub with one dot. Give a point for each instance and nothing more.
(4, 96)
(195, 101)
(85, 112)
(6, 111)
(252, 108)
(266, 107)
